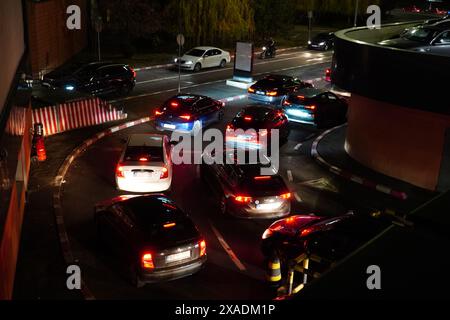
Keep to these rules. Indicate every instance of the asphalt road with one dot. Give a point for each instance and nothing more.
(91, 179)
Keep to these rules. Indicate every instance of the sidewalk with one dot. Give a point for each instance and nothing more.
(330, 148)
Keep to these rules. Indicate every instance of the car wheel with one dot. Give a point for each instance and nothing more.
(223, 63)
(135, 279)
(197, 67)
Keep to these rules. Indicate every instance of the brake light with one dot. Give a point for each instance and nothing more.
(202, 248)
(133, 72)
(143, 159)
(248, 118)
(286, 195)
(271, 93)
(147, 261)
(174, 104)
(310, 107)
(263, 178)
(119, 172)
(185, 117)
(251, 90)
(306, 231)
(164, 173)
(169, 225)
(158, 113)
(243, 199)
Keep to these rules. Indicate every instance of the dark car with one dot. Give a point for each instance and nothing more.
(323, 41)
(273, 89)
(243, 191)
(429, 39)
(253, 123)
(315, 106)
(188, 113)
(330, 238)
(97, 78)
(151, 237)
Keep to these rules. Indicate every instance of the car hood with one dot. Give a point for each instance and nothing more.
(189, 58)
(400, 43)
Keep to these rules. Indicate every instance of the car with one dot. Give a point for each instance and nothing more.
(412, 9)
(97, 78)
(273, 89)
(248, 127)
(318, 107)
(242, 190)
(188, 113)
(203, 57)
(150, 237)
(434, 39)
(145, 164)
(322, 41)
(331, 238)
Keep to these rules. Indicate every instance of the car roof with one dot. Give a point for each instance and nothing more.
(187, 98)
(309, 92)
(257, 108)
(206, 48)
(278, 77)
(144, 139)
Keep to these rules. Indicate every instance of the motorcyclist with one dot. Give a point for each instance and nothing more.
(270, 46)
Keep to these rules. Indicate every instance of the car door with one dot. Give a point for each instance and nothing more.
(206, 111)
(440, 45)
(208, 59)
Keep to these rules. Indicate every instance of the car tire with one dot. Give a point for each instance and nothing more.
(135, 279)
(223, 63)
(197, 67)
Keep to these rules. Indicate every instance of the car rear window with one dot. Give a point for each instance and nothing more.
(264, 186)
(300, 99)
(137, 153)
(270, 83)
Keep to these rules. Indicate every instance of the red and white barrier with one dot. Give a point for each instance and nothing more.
(77, 114)
(16, 122)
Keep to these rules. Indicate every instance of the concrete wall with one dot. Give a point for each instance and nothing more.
(403, 143)
(51, 43)
(12, 44)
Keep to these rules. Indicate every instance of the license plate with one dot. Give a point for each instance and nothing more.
(142, 174)
(169, 126)
(178, 256)
(268, 206)
(260, 92)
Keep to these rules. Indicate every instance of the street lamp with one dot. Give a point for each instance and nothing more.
(356, 13)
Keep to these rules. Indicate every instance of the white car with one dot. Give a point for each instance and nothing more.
(145, 164)
(203, 57)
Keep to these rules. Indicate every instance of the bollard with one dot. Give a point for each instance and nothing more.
(274, 271)
(290, 280)
(305, 267)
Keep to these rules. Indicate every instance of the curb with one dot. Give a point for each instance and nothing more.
(159, 66)
(59, 181)
(350, 176)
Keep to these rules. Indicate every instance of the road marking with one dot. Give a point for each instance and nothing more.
(290, 177)
(291, 68)
(227, 249)
(298, 146)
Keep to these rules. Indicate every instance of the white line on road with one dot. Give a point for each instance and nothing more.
(290, 177)
(227, 248)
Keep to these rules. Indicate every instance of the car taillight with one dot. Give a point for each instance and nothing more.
(147, 261)
(202, 245)
(243, 199)
(133, 72)
(174, 104)
(251, 90)
(185, 117)
(286, 195)
(271, 93)
(158, 113)
(169, 225)
(267, 234)
(306, 231)
(248, 118)
(164, 173)
(286, 103)
(310, 107)
(119, 172)
(143, 159)
(263, 178)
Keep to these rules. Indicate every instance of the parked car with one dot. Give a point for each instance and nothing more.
(151, 238)
(318, 107)
(252, 122)
(434, 39)
(273, 89)
(145, 164)
(188, 113)
(323, 41)
(97, 78)
(243, 191)
(203, 57)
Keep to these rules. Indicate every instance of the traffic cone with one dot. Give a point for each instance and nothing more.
(274, 271)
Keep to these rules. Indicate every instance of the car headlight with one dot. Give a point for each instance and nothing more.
(264, 48)
(309, 42)
(69, 87)
(175, 60)
(189, 62)
(322, 43)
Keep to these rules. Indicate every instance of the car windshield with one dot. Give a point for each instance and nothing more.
(144, 153)
(420, 34)
(195, 52)
(264, 186)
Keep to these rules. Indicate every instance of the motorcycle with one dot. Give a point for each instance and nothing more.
(267, 53)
